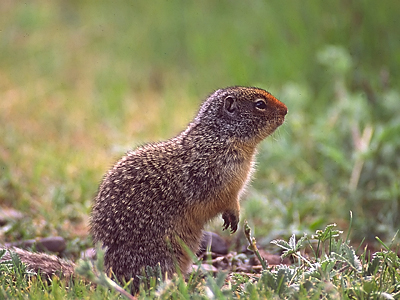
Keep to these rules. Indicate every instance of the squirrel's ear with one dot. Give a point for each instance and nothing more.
(230, 104)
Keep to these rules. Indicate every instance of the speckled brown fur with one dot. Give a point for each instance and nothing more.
(162, 194)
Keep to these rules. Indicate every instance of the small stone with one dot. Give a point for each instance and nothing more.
(217, 243)
(55, 244)
(205, 268)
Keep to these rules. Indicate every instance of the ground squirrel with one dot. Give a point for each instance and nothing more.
(158, 197)
(161, 195)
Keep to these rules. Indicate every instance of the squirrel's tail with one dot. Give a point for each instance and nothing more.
(45, 264)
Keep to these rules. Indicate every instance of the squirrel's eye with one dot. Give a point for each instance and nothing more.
(260, 104)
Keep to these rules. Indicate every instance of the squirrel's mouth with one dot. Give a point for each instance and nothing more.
(279, 119)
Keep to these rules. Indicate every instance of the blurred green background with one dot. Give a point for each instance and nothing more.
(81, 82)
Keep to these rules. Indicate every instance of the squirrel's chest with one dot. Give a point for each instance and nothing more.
(232, 177)
(238, 175)
(217, 174)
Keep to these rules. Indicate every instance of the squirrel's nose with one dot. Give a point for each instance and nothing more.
(283, 109)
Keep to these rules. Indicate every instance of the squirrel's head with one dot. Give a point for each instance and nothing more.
(247, 114)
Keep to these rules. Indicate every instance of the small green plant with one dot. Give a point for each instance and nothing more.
(331, 269)
(252, 245)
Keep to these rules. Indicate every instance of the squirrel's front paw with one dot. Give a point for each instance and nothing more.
(230, 219)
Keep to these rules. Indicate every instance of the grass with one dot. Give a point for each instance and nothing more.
(82, 82)
(325, 266)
